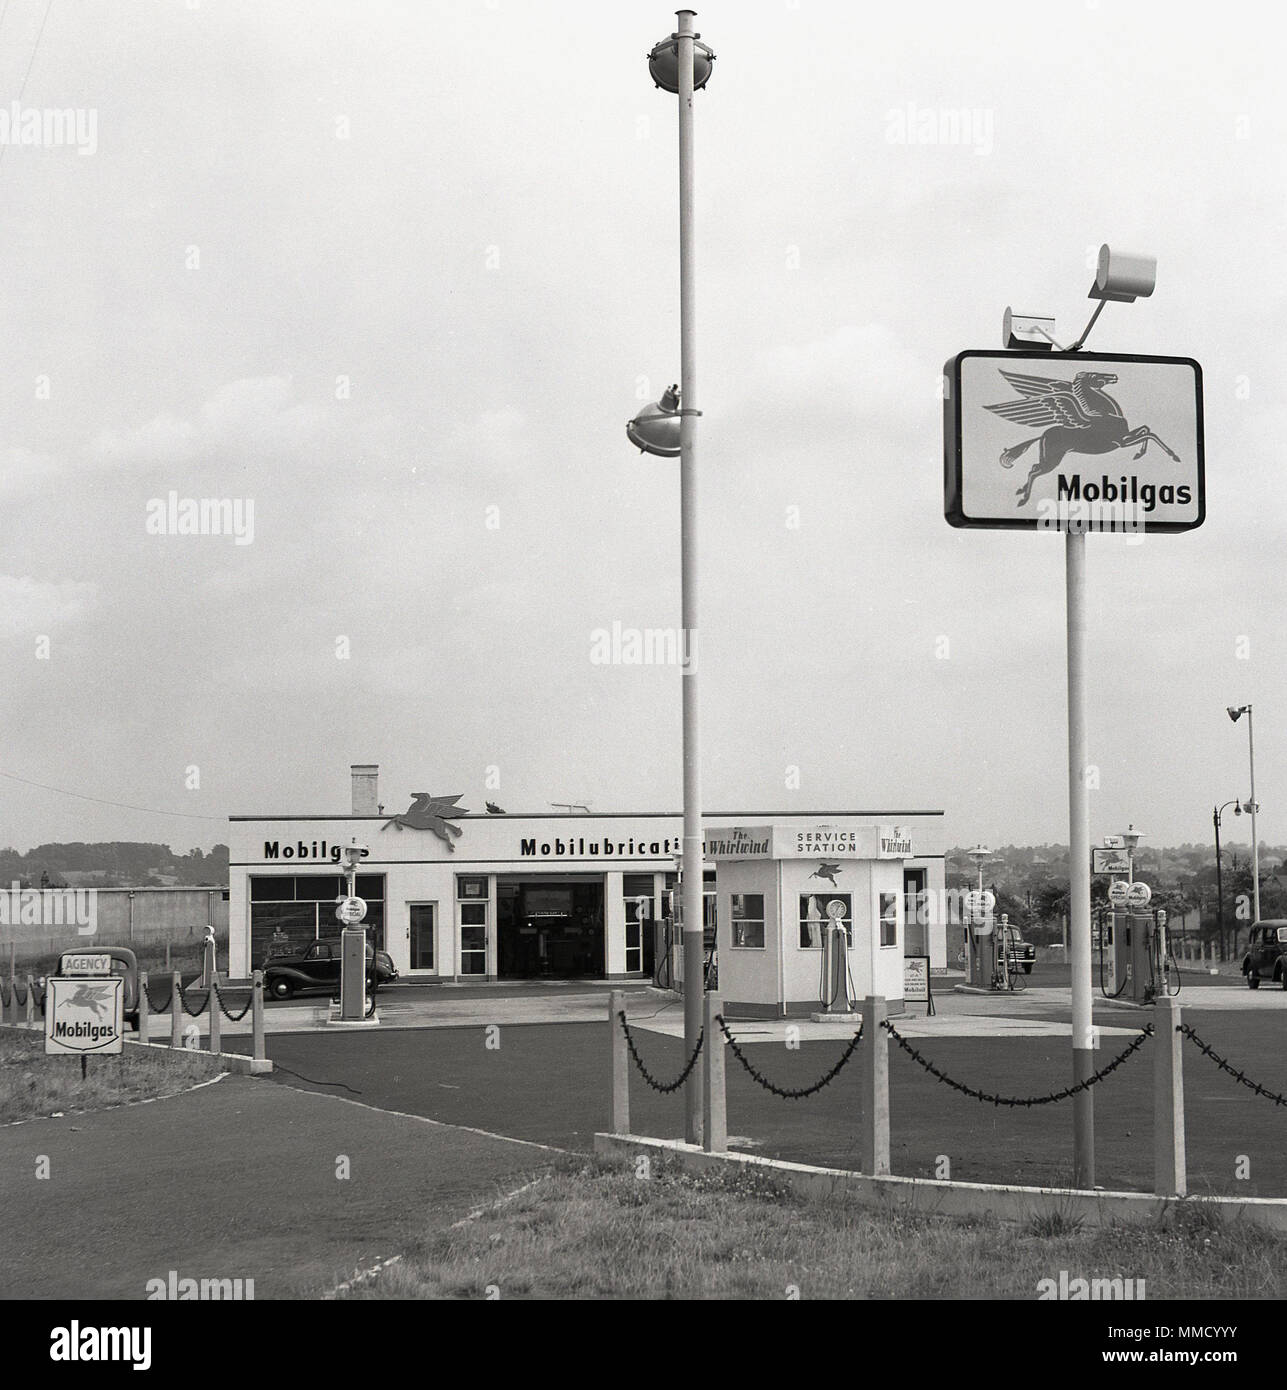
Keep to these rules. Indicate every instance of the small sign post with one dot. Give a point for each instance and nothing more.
(85, 1014)
(917, 988)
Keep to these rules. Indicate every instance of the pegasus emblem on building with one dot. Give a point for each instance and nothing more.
(1082, 419)
(431, 813)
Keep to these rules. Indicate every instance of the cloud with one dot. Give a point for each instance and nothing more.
(258, 412)
(30, 606)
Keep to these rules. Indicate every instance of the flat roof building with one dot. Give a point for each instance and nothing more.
(459, 895)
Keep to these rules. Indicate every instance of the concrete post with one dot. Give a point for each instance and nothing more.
(258, 1052)
(144, 1019)
(176, 1012)
(714, 1105)
(1169, 1177)
(873, 1053)
(216, 1025)
(31, 1000)
(620, 1065)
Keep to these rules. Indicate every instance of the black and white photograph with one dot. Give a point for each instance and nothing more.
(645, 663)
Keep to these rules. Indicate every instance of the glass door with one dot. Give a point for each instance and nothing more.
(422, 929)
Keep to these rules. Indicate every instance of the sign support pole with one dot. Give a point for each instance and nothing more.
(1083, 1027)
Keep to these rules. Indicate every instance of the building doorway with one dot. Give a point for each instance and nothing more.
(549, 929)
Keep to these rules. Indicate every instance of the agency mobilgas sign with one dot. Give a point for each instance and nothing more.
(85, 1015)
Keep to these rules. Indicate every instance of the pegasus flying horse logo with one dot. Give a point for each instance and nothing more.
(1082, 418)
(431, 813)
(85, 997)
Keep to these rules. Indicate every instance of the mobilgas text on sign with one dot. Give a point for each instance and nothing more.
(1066, 441)
(85, 1015)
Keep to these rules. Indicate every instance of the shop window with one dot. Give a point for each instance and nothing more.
(889, 919)
(287, 911)
(817, 909)
(747, 914)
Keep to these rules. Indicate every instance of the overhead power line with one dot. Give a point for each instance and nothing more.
(103, 801)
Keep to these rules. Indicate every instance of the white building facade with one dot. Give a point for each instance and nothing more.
(458, 895)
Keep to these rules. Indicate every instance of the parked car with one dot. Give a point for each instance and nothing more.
(317, 967)
(124, 963)
(1020, 954)
(1266, 949)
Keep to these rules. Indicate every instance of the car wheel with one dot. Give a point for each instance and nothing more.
(1027, 969)
(1253, 980)
(281, 989)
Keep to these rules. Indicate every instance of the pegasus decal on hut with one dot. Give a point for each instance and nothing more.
(431, 813)
(1082, 418)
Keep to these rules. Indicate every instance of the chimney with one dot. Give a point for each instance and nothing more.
(366, 777)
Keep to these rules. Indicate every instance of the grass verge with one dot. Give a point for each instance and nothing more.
(32, 1084)
(595, 1229)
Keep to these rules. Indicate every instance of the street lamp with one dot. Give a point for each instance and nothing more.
(1130, 838)
(682, 65)
(1235, 713)
(1216, 813)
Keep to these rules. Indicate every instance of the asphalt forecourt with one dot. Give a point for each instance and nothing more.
(550, 1083)
(237, 1181)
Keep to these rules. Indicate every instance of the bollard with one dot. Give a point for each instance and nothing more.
(620, 1065)
(1169, 1177)
(31, 1000)
(176, 1012)
(714, 1102)
(144, 1006)
(259, 1051)
(874, 1055)
(212, 1003)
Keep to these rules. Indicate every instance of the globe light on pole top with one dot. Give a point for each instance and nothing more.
(663, 62)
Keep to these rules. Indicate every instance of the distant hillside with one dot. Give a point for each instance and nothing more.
(114, 864)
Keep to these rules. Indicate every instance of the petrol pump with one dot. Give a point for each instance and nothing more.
(979, 904)
(1134, 957)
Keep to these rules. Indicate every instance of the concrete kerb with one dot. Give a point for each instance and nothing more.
(954, 1199)
(230, 1061)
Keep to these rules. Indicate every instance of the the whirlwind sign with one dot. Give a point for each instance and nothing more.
(1073, 441)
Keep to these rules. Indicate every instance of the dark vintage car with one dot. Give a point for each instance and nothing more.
(123, 963)
(1266, 950)
(317, 967)
(1020, 954)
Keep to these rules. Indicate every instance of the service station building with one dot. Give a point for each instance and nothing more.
(458, 895)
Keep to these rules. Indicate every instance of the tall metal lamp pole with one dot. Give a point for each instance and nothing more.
(680, 64)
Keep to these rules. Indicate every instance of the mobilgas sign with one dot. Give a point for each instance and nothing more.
(1065, 441)
(85, 1015)
(313, 850)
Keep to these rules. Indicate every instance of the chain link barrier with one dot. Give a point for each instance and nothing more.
(1024, 1101)
(199, 1010)
(1208, 1051)
(643, 1070)
(151, 1002)
(778, 1090)
(224, 1009)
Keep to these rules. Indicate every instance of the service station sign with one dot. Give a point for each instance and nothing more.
(1073, 441)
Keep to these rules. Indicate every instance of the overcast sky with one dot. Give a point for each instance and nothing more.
(397, 274)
